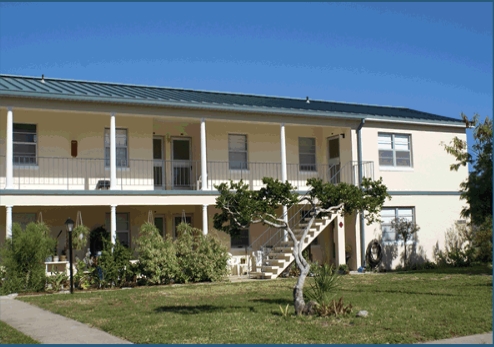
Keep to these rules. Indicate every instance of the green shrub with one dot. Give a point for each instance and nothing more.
(343, 269)
(113, 268)
(200, 257)
(482, 241)
(326, 281)
(57, 281)
(23, 258)
(157, 259)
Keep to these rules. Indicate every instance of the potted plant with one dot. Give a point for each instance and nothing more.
(63, 255)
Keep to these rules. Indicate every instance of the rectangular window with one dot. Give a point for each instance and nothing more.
(24, 143)
(123, 227)
(122, 150)
(241, 240)
(394, 150)
(237, 152)
(390, 214)
(307, 153)
(23, 219)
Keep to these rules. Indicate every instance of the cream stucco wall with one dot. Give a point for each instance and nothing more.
(430, 162)
(434, 214)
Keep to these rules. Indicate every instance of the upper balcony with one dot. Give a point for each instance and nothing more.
(51, 173)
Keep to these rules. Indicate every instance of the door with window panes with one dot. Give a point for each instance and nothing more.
(158, 163)
(334, 159)
(181, 163)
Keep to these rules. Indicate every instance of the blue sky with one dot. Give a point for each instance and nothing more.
(434, 57)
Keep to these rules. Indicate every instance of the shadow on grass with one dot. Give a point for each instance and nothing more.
(474, 270)
(274, 301)
(198, 309)
(400, 292)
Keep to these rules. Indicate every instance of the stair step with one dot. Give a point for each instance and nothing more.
(275, 262)
(281, 256)
(261, 275)
(280, 249)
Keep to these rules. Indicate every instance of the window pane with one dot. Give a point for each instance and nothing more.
(402, 142)
(403, 159)
(24, 137)
(122, 157)
(237, 160)
(385, 158)
(121, 137)
(181, 149)
(307, 145)
(107, 137)
(24, 128)
(237, 142)
(24, 150)
(334, 148)
(157, 149)
(384, 141)
(240, 240)
(123, 238)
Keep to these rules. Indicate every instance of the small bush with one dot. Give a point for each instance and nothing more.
(200, 257)
(113, 268)
(343, 269)
(23, 258)
(333, 308)
(57, 282)
(157, 259)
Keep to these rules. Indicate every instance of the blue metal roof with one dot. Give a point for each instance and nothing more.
(49, 88)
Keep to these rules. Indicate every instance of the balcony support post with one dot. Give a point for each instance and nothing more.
(204, 219)
(113, 153)
(204, 171)
(9, 157)
(113, 224)
(339, 233)
(283, 172)
(360, 175)
(8, 223)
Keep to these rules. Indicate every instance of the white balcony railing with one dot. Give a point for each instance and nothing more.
(52, 173)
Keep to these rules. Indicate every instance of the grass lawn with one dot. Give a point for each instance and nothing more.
(403, 308)
(9, 335)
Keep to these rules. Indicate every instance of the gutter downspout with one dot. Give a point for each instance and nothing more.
(360, 175)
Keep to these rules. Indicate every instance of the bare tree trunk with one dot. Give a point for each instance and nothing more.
(298, 291)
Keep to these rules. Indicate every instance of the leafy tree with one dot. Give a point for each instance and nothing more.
(476, 190)
(405, 229)
(241, 207)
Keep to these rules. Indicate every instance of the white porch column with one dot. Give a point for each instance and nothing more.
(113, 153)
(204, 162)
(283, 171)
(9, 157)
(339, 234)
(8, 223)
(204, 219)
(113, 226)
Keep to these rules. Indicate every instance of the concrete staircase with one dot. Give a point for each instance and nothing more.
(281, 255)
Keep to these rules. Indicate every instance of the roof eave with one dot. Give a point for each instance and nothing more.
(218, 107)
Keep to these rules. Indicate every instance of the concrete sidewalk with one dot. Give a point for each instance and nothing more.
(50, 328)
(479, 339)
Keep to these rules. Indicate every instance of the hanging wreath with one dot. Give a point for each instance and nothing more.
(374, 258)
(80, 233)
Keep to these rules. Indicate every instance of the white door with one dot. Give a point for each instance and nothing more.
(181, 163)
(159, 163)
(334, 159)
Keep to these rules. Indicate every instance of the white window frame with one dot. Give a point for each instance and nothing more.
(305, 167)
(107, 159)
(33, 143)
(121, 231)
(397, 214)
(393, 149)
(246, 151)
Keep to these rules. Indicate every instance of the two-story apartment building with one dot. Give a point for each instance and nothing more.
(115, 152)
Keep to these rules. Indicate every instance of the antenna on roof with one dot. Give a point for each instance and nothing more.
(42, 78)
(307, 100)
